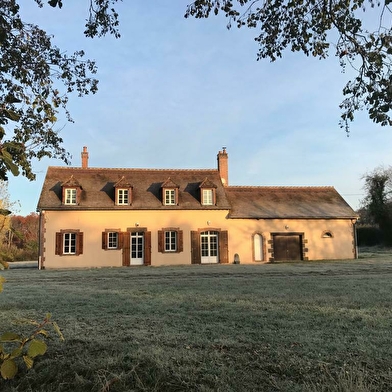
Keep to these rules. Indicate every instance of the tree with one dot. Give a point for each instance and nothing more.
(306, 26)
(377, 204)
(36, 80)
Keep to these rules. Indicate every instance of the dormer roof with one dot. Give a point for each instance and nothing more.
(72, 182)
(206, 183)
(169, 183)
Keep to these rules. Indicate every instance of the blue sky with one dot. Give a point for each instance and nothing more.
(173, 91)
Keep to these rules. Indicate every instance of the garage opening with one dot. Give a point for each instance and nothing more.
(287, 247)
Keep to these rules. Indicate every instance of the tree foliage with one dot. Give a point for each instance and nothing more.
(307, 26)
(36, 80)
(377, 204)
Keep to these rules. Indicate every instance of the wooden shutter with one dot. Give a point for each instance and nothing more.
(147, 248)
(79, 244)
(180, 245)
(195, 247)
(223, 247)
(126, 247)
(104, 240)
(120, 244)
(161, 241)
(59, 244)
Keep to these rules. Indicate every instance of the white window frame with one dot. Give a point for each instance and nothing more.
(208, 197)
(171, 240)
(112, 240)
(122, 197)
(69, 243)
(70, 196)
(170, 197)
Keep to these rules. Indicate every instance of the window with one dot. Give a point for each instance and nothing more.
(122, 197)
(207, 198)
(111, 239)
(69, 242)
(170, 197)
(170, 240)
(70, 196)
(327, 234)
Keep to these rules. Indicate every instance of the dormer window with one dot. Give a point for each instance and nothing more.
(169, 193)
(170, 197)
(207, 193)
(71, 191)
(123, 192)
(122, 197)
(70, 196)
(207, 198)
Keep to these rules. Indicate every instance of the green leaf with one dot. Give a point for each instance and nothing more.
(58, 331)
(11, 115)
(29, 362)
(36, 347)
(16, 353)
(10, 337)
(2, 280)
(8, 369)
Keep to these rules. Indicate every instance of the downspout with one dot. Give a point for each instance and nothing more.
(40, 239)
(354, 221)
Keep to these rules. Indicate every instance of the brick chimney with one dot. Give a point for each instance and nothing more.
(223, 166)
(84, 158)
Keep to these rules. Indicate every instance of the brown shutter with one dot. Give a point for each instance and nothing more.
(147, 248)
(161, 237)
(126, 247)
(120, 244)
(63, 195)
(104, 240)
(195, 247)
(180, 246)
(223, 247)
(79, 244)
(214, 197)
(59, 244)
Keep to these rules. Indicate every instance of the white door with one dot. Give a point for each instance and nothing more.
(209, 247)
(137, 248)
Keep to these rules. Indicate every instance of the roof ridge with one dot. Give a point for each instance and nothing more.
(126, 168)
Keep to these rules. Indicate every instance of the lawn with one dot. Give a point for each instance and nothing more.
(315, 326)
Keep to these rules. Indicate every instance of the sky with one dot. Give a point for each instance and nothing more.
(174, 91)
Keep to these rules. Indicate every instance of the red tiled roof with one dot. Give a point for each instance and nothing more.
(287, 202)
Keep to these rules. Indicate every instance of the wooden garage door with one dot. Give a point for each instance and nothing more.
(287, 247)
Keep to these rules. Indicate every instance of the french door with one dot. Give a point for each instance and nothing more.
(209, 247)
(137, 248)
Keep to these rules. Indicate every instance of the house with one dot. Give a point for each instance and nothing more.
(100, 217)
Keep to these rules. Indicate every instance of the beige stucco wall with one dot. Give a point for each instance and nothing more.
(341, 246)
(240, 235)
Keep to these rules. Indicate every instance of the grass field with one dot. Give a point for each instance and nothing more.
(320, 326)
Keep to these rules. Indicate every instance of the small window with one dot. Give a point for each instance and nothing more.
(70, 196)
(69, 243)
(170, 240)
(327, 234)
(170, 197)
(112, 240)
(122, 197)
(208, 199)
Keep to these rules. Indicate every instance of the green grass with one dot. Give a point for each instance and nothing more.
(320, 326)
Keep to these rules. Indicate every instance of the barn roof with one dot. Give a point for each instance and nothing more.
(287, 202)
